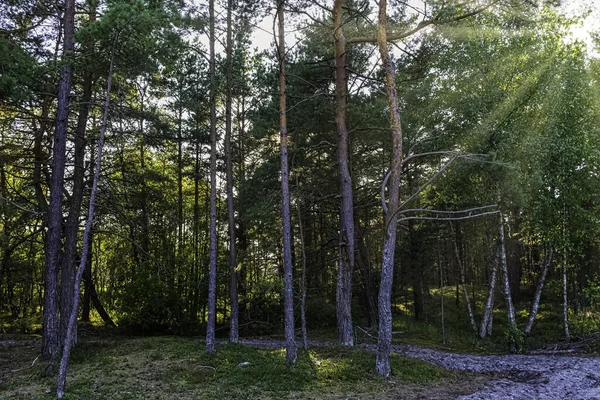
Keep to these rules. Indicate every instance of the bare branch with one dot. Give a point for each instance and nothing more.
(447, 218)
(467, 210)
(20, 207)
(431, 179)
(422, 25)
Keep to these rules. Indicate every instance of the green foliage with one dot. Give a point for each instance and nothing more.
(150, 306)
(515, 338)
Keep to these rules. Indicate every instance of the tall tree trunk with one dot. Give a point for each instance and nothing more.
(486, 321)
(196, 227)
(212, 271)
(288, 297)
(442, 301)
(565, 302)
(462, 279)
(507, 294)
(346, 246)
(72, 226)
(538, 292)
(233, 294)
(384, 339)
(50, 338)
(87, 235)
(180, 176)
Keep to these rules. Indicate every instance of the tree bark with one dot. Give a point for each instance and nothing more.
(93, 294)
(288, 297)
(212, 271)
(507, 294)
(486, 322)
(62, 374)
(384, 339)
(72, 226)
(233, 294)
(565, 302)
(442, 298)
(346, 245)
(538, 293)
(50, 337)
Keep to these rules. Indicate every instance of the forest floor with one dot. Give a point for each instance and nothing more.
(553, 374)
(177, 368)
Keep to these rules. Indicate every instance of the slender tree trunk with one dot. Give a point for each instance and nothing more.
(486, 322)
(346, 249)
(538, 293)
(507, 294)
(288, 297)
(72, 226)
(303, 281)
(233, 294)
(384, 339)
(462, 280)
(212, 272)
(180, 176)
(442, 301)
(62, 374)
(85, 305)
(565, 302)
(50, 337)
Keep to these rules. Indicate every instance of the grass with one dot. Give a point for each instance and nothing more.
(178, 368)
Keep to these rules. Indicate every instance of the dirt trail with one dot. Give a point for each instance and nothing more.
(526, 376)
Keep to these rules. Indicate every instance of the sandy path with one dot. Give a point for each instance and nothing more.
(527, 376)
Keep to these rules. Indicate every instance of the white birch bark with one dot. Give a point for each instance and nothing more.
(486, 322)
(565, 302)
(507, 296)
(538, 293)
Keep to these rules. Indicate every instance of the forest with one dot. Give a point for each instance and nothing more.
(350, 173)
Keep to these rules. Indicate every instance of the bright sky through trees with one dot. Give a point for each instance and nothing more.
(588, 28)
